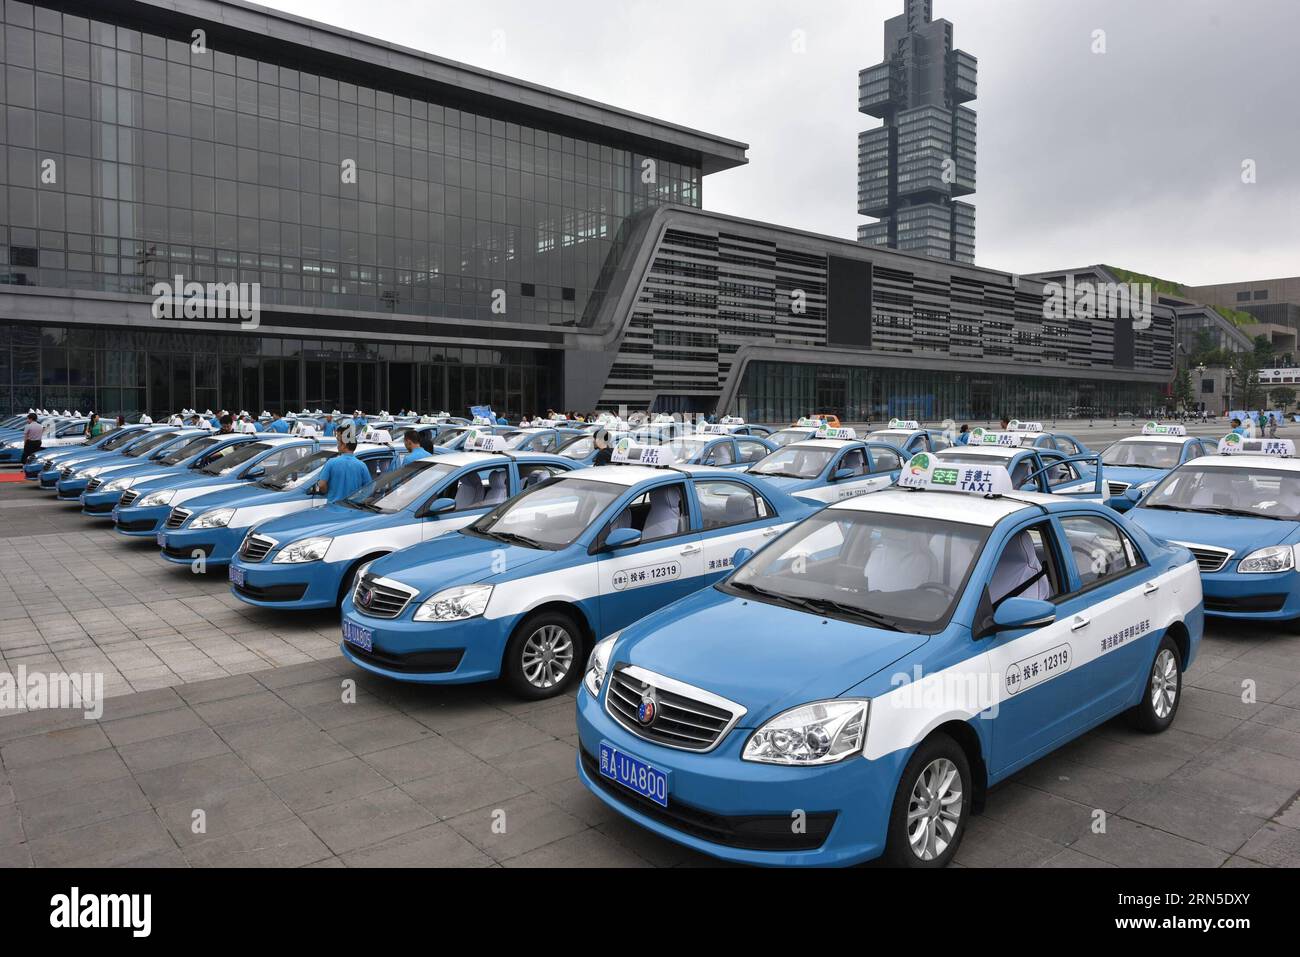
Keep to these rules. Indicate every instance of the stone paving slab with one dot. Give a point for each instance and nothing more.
(239, 714)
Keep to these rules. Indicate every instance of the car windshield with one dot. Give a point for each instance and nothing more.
(187, 450)
(451, 435)
(1228, 490)
(786, 436)
(231, 458)
(899, 572)
(519, 439)
(892, 436)
(551, 515)
(398, 489)
(1143, 455)
(682, 450)
(149, 444)
(117, 441)
(795, 461)
(295, 473)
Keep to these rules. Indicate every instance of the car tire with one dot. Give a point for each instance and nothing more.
(543, 658)
(1162, 691)
(922, 832)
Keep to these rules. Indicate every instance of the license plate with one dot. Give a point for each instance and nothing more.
(363, 638)
(634, 774)
(236, 576)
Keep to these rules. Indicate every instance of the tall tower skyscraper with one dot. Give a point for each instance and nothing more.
(912, 169)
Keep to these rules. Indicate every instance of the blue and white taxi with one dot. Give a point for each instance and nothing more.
(68, 466)
(183, 458)
(851, 691)
(57, 434)
(714, 445)
(310, 559)
(47, 458)
(523, 591)
(214, 525)
(1034, 469)
(1140, 461)
(143, 508)
(831, 467)
(146, 457)
(1239, 513)
(805, 428)
(908, 436)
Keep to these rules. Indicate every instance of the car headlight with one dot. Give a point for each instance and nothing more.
(157, 498)
(598, 664)
(89, 473)
(822, 732)
(1277, 558)
(118, 485)
(217, 518)
(455, 604)
(307, 550)
(1146, 487)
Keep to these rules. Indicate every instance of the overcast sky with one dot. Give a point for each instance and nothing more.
(1131, 157)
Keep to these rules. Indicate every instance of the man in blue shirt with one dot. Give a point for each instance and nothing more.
(343, 474)
(328, 428)
(278, 424)
(415, 450)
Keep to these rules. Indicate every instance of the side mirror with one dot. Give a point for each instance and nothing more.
(842, 474)
(438, 506)
(1134, 494)
(1016, 613)
(741, 556)
(622, 538)
(255, 472)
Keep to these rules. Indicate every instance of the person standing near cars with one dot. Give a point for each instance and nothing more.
(32, 434)
(343, 474)
(414, 448)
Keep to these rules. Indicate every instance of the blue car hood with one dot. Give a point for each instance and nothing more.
(188, 479)
(243, 495)
(762, 656)
(456, 559)
(785, 483)
(331, 521)
(1132, 476)
(1238, 532)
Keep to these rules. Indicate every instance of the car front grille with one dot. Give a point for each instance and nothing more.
(1115, 489)
(66, 473)
(128, 497)
(256, 548)
(683, 717)
(1208, 558)
(94, 484)
(379, 598)
(176, 518)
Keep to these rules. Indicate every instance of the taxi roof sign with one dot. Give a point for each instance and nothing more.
(1017, 426)
(1155, 428)
(1235, 444)
(810, 423)
(826, 432)
(909, 424)
(987, 437)
(925, 471)
(711, 428)
(627, 452)
(478, 441)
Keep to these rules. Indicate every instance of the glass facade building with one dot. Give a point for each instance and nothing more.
(132, 155)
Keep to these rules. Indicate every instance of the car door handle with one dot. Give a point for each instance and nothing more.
(1150, 588)
(769, 532)
(1080, 622)
(692, 549)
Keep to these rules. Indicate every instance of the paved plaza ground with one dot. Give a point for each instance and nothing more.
(238, 713)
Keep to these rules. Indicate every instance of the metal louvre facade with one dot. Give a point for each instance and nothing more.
(715, 289)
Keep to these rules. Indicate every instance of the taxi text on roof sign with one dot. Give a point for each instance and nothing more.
(826, 432)
(1017, 426)
(910, 425)
(924, 471)
(807, 423)
(1002, 439)
(1234, 444)
(478, 441)
(716, 429)
(1155, 428)
(626, 452)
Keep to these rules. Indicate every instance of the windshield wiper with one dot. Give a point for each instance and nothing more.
(854, 611)
(1224, 510)
(515, 538)
(783, 475)
(364, 506)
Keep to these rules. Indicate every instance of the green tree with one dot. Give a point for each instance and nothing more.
(1283, 396)
(1183, 394)
(1249, 392)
